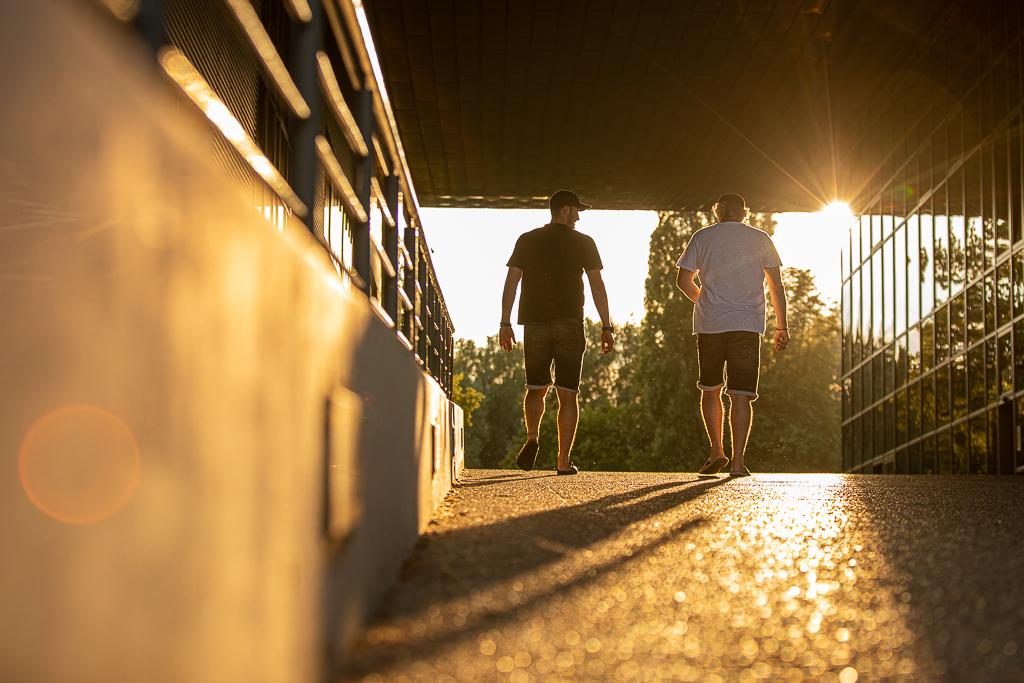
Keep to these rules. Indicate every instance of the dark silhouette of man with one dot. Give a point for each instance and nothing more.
(733, 260)
(550, 262)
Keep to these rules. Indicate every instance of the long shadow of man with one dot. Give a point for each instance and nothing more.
(453, 564)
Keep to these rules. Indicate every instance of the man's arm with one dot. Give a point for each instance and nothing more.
(778, 294)
(685, 283)
(506, 335)
(600, 295)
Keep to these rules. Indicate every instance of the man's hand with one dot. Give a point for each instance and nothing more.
(506, 337)
(781, 340)
(607, 341)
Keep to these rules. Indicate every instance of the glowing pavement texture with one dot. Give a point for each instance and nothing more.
(611, 576)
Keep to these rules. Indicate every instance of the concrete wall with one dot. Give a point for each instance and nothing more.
(213, 454)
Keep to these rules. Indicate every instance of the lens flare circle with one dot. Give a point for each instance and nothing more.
(79, 464)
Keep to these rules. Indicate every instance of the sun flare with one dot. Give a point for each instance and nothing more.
(813, 241)
(838, 215)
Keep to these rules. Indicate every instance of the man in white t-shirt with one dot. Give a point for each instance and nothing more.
(733, 261)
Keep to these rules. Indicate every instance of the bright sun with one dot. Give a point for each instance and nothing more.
(813, 241)
(837, 216)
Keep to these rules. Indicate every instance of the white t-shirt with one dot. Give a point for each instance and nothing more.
(730, 259)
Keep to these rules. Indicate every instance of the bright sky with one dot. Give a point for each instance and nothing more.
(471, 246)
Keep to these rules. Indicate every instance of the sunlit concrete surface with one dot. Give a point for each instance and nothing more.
(609, 576)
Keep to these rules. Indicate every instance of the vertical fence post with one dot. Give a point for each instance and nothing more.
(364, 171)
(149, 20)
(305, 40)
(411, 278)
(391, 246)
(422, 302)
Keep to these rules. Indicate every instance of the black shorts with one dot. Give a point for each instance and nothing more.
(732, 355)
(559, 342)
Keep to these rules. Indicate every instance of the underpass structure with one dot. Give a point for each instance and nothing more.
(229, 384)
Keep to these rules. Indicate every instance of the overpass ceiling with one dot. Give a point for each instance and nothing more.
(654, 104)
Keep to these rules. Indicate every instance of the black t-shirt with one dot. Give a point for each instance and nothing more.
(553, 259)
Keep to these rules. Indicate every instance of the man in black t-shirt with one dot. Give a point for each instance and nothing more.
(551, 261)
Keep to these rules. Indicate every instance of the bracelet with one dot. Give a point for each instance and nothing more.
(782, 328)
(607, 328)
(504, 324)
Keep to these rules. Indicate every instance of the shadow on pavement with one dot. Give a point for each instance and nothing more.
(455, 564)
(501, 478)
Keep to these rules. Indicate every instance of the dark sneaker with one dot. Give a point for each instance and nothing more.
(572, 470)
(527, 455)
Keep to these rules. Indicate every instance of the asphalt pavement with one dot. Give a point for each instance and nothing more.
(667, 576)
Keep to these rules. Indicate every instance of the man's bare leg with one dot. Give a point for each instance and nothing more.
(711, 410)
(568, 418)
(533, 411)
(741, 415)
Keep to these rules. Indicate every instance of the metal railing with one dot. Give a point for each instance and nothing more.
(295, 91)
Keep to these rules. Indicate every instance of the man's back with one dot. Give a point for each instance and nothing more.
(553, 259)
(730, 259)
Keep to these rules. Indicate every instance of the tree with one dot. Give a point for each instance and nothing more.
(798, 426)
(671, 433)
(497, 423)
(467, 398)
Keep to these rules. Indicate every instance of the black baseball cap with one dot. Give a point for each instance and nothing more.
(733, 201)
(566, 198)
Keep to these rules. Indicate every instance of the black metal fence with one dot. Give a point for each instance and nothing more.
(933, 276)
(305, 123)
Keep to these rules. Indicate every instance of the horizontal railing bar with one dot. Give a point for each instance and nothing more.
(382, 203)
(340, 109)
(383, 255)
(299, 9)
(405, 300)
(381, 313)
(269, 58)
(403, 339)
(404, 250)
(381, 161)
(187, 77)
(339, 179)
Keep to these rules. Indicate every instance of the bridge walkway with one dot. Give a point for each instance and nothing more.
(627, 576)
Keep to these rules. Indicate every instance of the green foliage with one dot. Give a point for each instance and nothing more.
(798, 413)
(497, 432)
(467, 398)
(640, 406)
